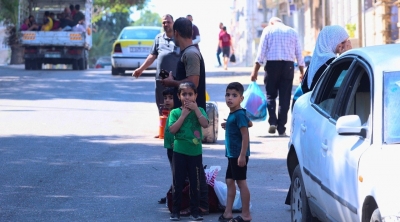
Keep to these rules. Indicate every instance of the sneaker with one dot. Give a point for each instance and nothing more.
(272, 129)
(282, 134)
(162, 200)
(195, 217)
(174, 217)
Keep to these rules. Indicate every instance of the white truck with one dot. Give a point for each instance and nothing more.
(55, 47)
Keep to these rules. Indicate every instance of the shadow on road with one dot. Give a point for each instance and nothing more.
(115, 178)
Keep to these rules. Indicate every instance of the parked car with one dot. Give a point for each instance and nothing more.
(344, 147)
(103, 62)
(132, 47)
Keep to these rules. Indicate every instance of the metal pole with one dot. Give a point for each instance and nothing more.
(360, 24)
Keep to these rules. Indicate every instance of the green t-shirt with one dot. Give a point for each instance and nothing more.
(188, 138)
(168, 136)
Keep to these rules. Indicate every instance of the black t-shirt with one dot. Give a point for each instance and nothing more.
(190, 58)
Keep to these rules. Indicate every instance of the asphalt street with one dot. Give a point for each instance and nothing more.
(79, 146)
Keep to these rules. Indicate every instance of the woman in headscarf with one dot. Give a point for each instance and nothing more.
(331, 41)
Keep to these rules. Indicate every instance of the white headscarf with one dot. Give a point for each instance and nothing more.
(327, 41)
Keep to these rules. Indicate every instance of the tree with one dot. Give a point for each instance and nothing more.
(148, 18)
(9, 14)
(102, 42)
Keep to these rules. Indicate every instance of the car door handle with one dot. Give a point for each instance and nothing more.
(324, 146)
(303, 127)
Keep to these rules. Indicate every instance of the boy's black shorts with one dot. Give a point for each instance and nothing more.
(234, 171)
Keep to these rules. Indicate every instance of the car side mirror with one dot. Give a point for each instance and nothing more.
(350, 125)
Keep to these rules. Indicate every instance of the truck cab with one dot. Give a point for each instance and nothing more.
(56, 46)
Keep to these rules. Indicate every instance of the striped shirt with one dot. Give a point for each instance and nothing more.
(280, 43)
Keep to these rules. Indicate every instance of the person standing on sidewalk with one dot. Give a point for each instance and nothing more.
(237, 150)
(219, 49)
(195, 33)
(167, 54)
(279, 47)
(225, 42)
(185, 123)
(190, 68)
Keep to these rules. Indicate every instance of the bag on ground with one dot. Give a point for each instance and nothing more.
(221, 190)
(211, 174)
(255, 103)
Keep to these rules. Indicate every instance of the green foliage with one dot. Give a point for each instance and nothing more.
(351, 29)
(148, 18)
(120, 3)
(102, 45)
(9, 11)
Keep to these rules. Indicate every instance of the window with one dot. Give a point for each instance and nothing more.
(391, 103)
(326, 91)
(140, 34)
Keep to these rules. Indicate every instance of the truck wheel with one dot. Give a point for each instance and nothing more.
(81, 64)
(114, 71)
(39, 65)
(27, 64)
(75, 64)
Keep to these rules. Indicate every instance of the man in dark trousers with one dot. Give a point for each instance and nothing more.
(279, 47)
(190, 68)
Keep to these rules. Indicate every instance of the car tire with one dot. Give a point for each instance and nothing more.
(376, 216)
(114, 71)
(299, 209)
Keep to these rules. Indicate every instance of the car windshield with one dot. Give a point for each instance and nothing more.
(391, 103)
(139, 33)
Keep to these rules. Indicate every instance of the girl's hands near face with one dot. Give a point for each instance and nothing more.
(185, 112)
(190, 105)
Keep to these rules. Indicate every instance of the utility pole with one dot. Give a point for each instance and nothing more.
(360, 24)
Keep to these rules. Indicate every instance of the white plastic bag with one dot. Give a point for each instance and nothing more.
(221, 190)
(211, 174)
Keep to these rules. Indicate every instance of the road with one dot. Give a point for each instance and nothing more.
(79, 146)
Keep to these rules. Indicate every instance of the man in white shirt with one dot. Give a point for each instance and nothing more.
(279, 48)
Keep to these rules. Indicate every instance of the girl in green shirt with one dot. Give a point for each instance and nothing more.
(185, 123)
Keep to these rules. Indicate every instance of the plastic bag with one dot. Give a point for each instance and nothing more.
(298, 92)
(221, 190)
(255, 103)
(211, 174)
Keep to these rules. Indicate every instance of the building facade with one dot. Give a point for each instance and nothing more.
(368, 22)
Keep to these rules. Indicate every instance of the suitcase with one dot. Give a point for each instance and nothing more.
(210, 134)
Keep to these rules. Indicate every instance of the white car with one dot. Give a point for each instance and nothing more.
(132, 47)
(344, 148)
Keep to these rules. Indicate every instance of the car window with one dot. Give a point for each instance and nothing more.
(140, 34)
(356, 98)
(329, 84)
(391, 103)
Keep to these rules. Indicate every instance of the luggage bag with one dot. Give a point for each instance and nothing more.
(210, 134)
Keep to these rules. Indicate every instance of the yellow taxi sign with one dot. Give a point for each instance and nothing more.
(29, 36)
(75, 36)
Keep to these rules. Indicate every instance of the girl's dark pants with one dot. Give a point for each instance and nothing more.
(190, 166)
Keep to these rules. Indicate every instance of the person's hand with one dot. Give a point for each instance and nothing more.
(191, 105)
(301, 77)
(169, 81)
(137, 73)
(241, 161)
(347, 46)
(185, 112)
(253, 76)
(223, 125)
